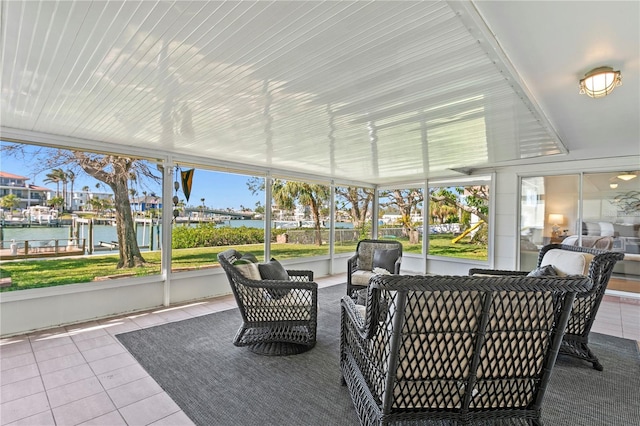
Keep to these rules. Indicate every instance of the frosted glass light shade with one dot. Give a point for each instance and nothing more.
(600, 82)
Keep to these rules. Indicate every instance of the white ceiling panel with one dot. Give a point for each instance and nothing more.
(376, 92)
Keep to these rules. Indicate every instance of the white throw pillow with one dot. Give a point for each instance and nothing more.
(606, 229)
(567, 262)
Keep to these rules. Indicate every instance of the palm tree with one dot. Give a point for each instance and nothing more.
(65, 195)
(57, 202)
(10, 202)
(56, 176)
(72, 177)
(96, 205)
(285, 194)
(441, 211)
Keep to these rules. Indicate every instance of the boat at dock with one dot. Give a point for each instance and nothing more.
(42, 215)
(108, 244)
(32, 216)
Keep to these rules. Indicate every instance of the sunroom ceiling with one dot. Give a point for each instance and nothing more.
(374, 92)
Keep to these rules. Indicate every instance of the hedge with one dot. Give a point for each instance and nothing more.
(208, 235)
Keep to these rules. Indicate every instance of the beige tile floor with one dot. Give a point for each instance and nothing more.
(82, 375)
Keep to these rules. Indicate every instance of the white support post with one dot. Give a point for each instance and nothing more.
(167, 219)
(267, 216)
(332, 225)
(426, 208)
(374, 213)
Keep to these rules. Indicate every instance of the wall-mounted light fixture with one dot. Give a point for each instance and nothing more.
(600, 82)
(627, 176)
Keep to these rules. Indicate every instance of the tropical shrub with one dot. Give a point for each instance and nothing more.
(208, 235)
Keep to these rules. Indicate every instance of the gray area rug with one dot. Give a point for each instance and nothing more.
(216, 383)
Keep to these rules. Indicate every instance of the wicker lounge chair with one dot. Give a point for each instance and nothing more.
(568, 259)
(454, 350)
(360, 266)
(279, 317)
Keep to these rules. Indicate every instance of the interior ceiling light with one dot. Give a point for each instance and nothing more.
(600, 82)
(613, 185)
(627, 176)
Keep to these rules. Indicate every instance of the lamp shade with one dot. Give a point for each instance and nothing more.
(600, 82)
(627, 176)
(556, 218)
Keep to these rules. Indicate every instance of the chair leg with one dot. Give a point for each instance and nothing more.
(581, 350)
(593, 358)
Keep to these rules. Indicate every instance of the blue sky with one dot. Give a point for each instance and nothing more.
(220, 190)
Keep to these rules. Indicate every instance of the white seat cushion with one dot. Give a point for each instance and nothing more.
(567, 262)
(361, 277)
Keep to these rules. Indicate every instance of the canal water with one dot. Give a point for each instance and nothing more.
(107, 233)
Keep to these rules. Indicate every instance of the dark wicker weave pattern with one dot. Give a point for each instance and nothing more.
(460, 349)
(363, 259)
(585, 306)
(274, 325)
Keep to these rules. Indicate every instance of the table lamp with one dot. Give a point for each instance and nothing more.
(556, 220)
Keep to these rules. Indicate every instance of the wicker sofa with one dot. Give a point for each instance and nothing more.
(431, 349)
(568, 260)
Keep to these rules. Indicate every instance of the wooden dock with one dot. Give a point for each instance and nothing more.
(22, 249)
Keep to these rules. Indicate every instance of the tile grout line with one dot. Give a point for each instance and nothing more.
(44, 389)
(97, 378)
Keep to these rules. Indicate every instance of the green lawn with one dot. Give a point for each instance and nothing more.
(52, 272)
(60, 271)
(441, 245)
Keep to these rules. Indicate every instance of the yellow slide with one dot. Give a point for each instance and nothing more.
(465, 233)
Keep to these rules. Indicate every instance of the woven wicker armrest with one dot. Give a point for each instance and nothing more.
(365, 326)
(281, 284)
(397, 265)
(352, 263)
(352, 312)
(479, 271)
(300, 275)
(296, 281)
